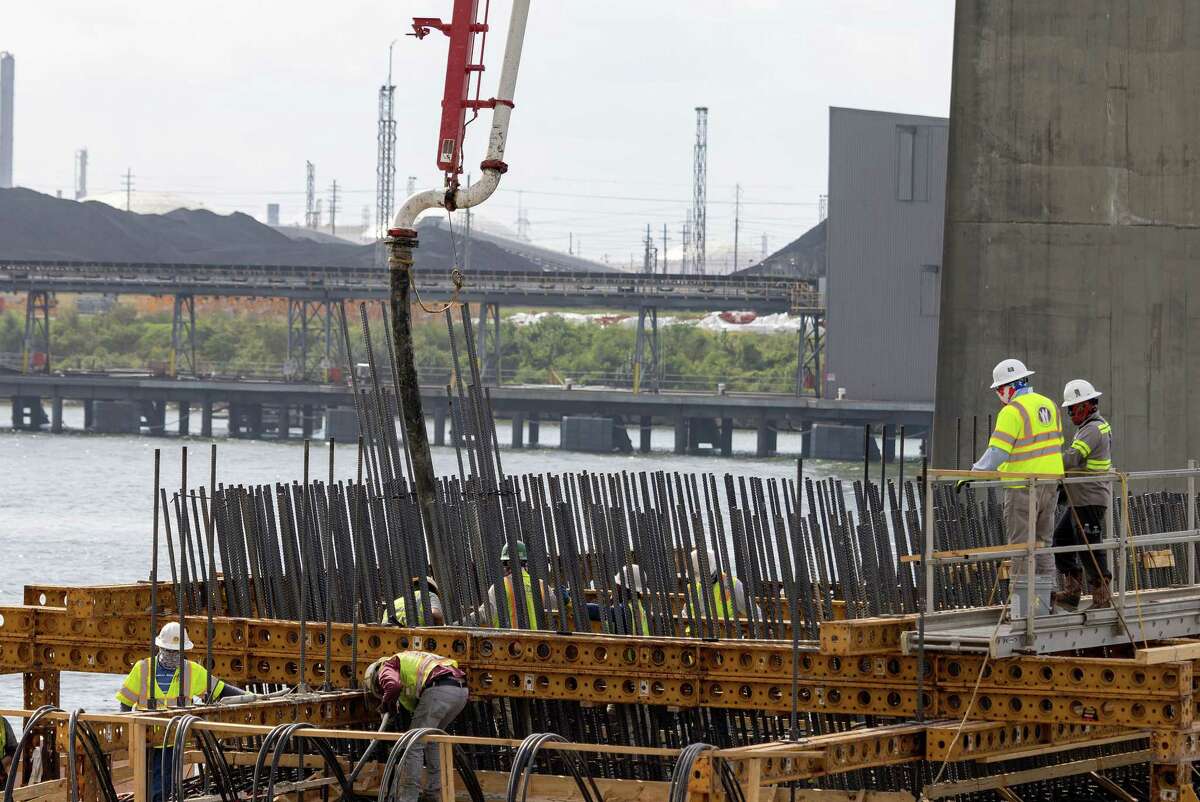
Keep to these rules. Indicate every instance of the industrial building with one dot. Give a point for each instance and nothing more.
(887, 191)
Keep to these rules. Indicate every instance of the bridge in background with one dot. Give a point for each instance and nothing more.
(315, 294)
(260, 408)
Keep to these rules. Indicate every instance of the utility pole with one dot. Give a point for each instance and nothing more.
(648, 243)
(686, 236)
(385, 161)
(664, 250)
(333, 207)
(737, 219)
(571, 243)
(764, 246)
(312, 218)
(700, 189)
(127, 181)
(81, 174)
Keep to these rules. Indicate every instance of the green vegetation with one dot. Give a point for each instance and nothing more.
(545, 352)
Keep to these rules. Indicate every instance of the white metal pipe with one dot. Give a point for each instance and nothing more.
(482, 189)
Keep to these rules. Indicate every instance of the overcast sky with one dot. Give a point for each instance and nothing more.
(222, 102)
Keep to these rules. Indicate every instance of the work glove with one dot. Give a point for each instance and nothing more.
(961, 484)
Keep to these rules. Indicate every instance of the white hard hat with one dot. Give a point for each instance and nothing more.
(1077, 391)
(1009, 371)
(630, 578)
(712, 561)
(168, 637)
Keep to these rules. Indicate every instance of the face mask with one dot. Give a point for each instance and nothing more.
(168, 659)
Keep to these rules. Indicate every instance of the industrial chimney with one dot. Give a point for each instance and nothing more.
(7, 68)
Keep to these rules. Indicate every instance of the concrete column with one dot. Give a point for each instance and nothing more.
(306, 421)
(88, 413)
(155, 413)
(765, 445)
(681, 435)
(285, 422)
(185, 423)
(726, 437)
(533, 429)
(206, 419)
(518, 430)
(56, 424)
(439, 426)
(256, 420)
(644, 434)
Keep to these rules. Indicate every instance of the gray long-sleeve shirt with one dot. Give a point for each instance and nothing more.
(1090, 451)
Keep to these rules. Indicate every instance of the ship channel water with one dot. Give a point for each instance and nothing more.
(77, 509)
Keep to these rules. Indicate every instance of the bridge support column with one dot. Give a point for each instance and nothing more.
(518, 430)
(681, 435)
(154, 413)
(439, 426)
(487, 343)
(283, 422)
(726, 437)
(809, 378)
(306, 421)
(308, 320)
(35, 356)
(534, 429)
(206, 410)
(89, 413)
(183, 336)
(644, 434)
(645, 352)
(185, 415)
(56, 424)
(766, 441)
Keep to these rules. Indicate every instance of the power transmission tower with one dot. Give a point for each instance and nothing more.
(664, 250)
(764, 246)
(737, 220)
(127, 183)
(700, 189)
(686, 236)
(312, 217)
(317, 214)
(333, 207)
(385, 161)
(650, 254)
(522, 220)
(81, 174)
(571, 243)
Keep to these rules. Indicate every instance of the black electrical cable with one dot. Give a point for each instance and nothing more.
(26, 735)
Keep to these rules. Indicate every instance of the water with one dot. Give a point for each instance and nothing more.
(77, 509)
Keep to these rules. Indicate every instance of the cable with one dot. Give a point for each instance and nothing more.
(27, 734)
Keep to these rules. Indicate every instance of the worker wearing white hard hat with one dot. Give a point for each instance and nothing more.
(628, 613)
(183, 681)
(1027, 439)
(1090, 452)
(722, 597)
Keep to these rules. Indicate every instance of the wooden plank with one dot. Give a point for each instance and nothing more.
(1055, 748)
(1173, 652)
(38, 790)
(1110, 786)
(959, 787)
(976, 552)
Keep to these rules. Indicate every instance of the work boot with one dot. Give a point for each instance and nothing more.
(1068, 597)
(1101, 595)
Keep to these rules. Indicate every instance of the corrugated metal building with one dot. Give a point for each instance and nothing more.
(887, 200)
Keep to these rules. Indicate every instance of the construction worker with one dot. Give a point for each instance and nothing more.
(138, 689)
(722, 597)
(8, 748)
(435, 606)
(628, 617)
(489, 611)
(1028, 439)
(1089, 452)
(434, 690)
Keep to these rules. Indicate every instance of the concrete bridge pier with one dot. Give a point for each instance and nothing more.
(439, 426)
(681, 435)
(307, 422)
(726, 437)
(206, 415)
(185, 414)
(534, 426)
(89, 414)
(518, 430)
(27, 413)
(767, 440)
(283, 429)
(154, 417)
(645, 431)
(56, 422)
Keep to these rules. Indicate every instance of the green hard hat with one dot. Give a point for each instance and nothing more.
(522, 552)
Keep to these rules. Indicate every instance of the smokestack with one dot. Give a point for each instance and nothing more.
(7, 68)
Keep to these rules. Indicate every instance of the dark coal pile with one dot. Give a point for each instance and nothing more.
(34, 226)
(801, 258)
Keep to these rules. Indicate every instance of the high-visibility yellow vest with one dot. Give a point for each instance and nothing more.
(139, 684)
(510, 597)
(399, 608)
(1028, 429)
(3, 738)
(415, 668)
(722, 599)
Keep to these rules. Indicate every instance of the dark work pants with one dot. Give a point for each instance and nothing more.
(1068, 533)
(161, 783)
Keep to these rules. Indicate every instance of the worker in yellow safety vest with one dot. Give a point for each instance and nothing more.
(435, 606)
(1028, 439)
(629, 615)
(514, 588)
(183, 683)
(1087, 502)
(434, 690)
(8, 748)
(721, 597)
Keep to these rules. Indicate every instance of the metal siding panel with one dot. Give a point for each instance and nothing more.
(880, 345)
